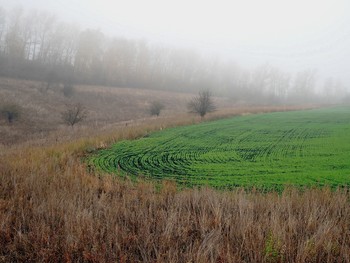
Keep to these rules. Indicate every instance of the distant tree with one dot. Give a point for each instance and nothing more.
(304, 85)
(202, 103)
(68, 90)
(11, 112)
(156, 108)
(14, 35)
(74, 114)
(2, 27)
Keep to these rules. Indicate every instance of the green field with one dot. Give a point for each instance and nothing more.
(266, 151)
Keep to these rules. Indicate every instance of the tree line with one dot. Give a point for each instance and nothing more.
(37, 45)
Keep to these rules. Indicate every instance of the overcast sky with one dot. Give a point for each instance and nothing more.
(291, 34)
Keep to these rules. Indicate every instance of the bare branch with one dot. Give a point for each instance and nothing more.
(74, 114)
(202, 103)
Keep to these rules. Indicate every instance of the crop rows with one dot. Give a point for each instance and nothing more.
(300, 148)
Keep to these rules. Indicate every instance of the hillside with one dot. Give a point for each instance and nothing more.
(42, 109)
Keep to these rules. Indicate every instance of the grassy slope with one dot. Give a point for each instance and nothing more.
(302, 148)
(41, 114)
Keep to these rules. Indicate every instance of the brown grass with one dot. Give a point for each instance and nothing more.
(58, 212)
(106, 106)
(53, 210)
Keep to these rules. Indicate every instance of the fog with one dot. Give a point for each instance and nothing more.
(300, 43)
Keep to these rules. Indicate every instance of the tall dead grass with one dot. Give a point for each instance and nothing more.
(53, 210)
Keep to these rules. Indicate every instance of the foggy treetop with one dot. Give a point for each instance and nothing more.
(34, 44)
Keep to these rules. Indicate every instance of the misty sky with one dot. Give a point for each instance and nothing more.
(293, 35)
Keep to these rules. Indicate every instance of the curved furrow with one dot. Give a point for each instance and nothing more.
(292, 147)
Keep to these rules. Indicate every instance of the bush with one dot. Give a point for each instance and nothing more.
(74, 114)
(11, 112)
(68, 90)
(156, 108)
(202, 103)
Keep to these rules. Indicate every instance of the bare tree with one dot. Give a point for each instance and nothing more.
(38, 46)
(74, 114)
(304, 85)
(46, 27)
(11, 112)
(156, 108)
(14, 36)
(202, 103)
(2, 28)
(89, 51)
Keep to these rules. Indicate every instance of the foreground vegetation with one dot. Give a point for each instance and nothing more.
(57, 212)
(53, 210)
(266, 151)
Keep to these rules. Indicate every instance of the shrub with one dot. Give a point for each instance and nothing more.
(74, 114)
(202, 103)
(68, 90)
(156, 108)
(11, 112)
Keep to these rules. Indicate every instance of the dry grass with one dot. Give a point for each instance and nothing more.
(56, 211)
(53, 210)
(105, 105)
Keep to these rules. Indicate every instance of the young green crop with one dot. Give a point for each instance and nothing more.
(265, 151)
